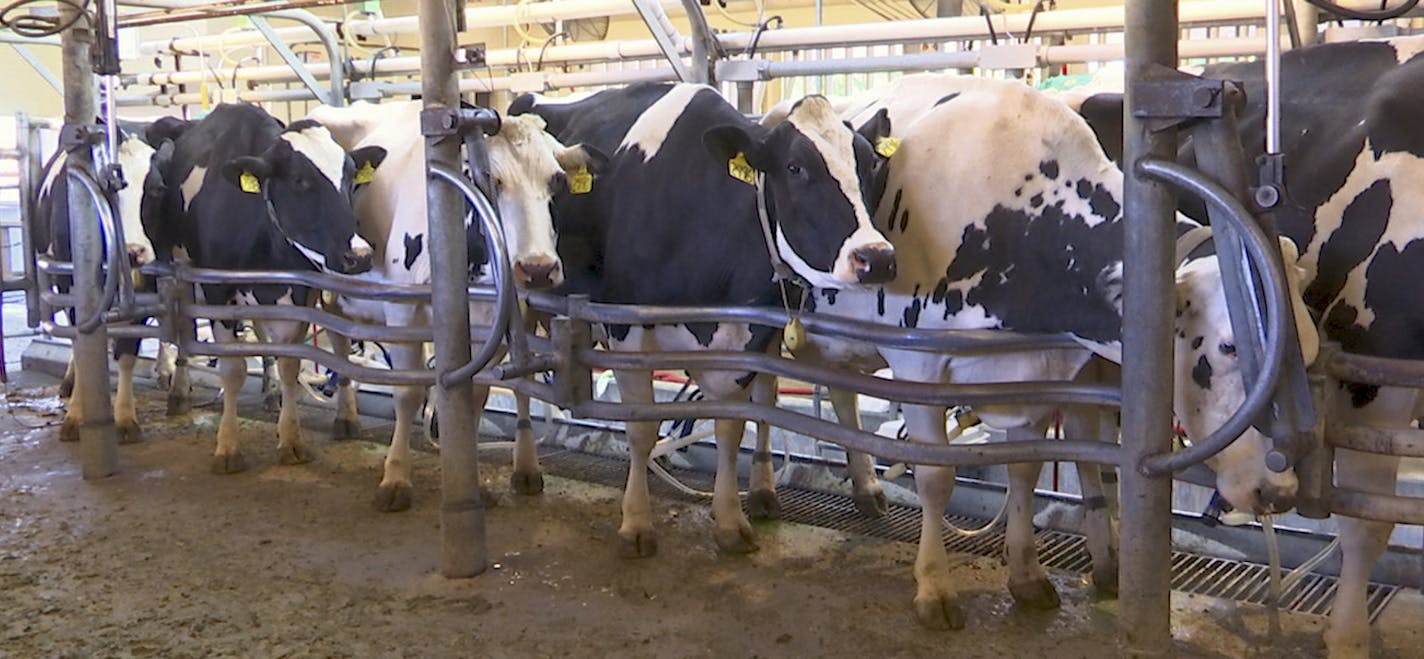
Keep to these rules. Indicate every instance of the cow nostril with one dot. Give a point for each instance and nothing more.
(873, 264)
(535, 274)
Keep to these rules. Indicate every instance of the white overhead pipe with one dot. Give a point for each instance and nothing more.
(475, 18)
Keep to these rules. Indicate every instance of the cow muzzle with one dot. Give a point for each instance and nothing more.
(1273, 499)
(356, 261)
(873, 264)
(537, 272)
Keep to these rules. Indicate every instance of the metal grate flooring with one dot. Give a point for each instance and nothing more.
(1192, 573)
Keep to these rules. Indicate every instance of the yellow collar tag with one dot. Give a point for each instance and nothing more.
(581, 181)
(793, 336)
(887, 146)
(741, 170)
(248, 182)
(365, 174)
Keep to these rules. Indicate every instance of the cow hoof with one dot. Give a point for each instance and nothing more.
(939, 613)
(527, 482)
(763, 504)
(871, 505)
(344, 429)
(272, 401)
(164, 381)
(1105, 580)
(66, 388)
(1035, 594)
(179, 403)
(637, 544)
(293, 454)
(232, 463)
(69, 430)
(392, 498)
(741, 540)
(129, 432)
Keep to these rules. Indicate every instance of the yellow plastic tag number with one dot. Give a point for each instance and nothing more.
(581, 181)
(248, 182)
(887, 146)
(794, 335)
(365, 174)
(741, 170)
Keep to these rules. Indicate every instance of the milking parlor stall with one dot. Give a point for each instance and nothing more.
(664, 328)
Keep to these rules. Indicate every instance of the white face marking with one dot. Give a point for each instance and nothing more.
(359, 244)
(522, 160)
(312, 255)
(653, 126)
(135, 158)
(317, 145)
(192, 185)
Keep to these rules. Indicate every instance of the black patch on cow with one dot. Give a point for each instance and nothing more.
(946, 98)
(911, 317)
(702, 332)
(810, 305)
(1360, 229)
(940, 289)
(894, 208)
(1360, 394)
(904, 221)
(880, 301)
(1103, 203)
(953, 303)
(1196, 342)
(1036, 200)
(1028, 177)
(831, 296)
(1018, 192)
(301, 125)
(1084, 188)
(1201, 373)
(413, 247)
(1049, 168)
(1394, 111)
(619, 332)
(1398, 317)
(1228, 349)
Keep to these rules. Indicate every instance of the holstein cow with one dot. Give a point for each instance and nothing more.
(1005, 214)
(244, 192)
(135, 155)
(674, 221)
(526, 167)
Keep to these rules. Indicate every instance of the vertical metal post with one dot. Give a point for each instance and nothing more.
(1151, 39)
(31, 162)
(462, 511)
(1273, 76)
(98, 438)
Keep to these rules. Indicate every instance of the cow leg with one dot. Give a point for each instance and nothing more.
(866, 491)
(734, 533)
(348, 420)
(1028, 582)
(291, 444)
(1083, 423)
(636, 535)
(761, 496)
(125, 415)
(180, 399)
(66, 385)
(936, 604)
(394, 492)
(74, 410)
(163, 366)
(227, 459)
(271, 384)
(527, 477)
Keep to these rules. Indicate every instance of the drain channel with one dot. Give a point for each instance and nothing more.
(1191, 573)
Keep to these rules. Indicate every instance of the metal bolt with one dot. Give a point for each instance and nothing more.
(1204, 97)
(1277, 462)
(1267, 196)
(448, 121)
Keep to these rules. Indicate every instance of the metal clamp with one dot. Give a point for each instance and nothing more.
(448, 122)
(1169, 97)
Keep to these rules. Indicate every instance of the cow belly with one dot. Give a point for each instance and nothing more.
(862, 357)
(1047, 365)
(678, 338)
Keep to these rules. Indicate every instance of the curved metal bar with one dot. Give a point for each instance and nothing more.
(997, 453)
(1382, 371)
(1278, 313)
(923, 393)
(112, 281)
(499, 264)
(337, 69)
(952, 341)
(421, 378)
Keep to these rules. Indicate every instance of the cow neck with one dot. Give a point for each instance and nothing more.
(272, 217)
(779, 270)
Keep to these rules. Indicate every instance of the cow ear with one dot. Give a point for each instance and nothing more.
(367, 159)
(248, 173)
(581, 156)
(725, 142)
(876, 130)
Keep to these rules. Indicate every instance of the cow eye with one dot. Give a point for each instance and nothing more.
(1227, 348)
(793, 168)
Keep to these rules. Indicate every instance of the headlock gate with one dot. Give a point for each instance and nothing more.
(1160, 101)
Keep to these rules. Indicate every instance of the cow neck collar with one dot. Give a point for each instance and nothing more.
(272, 217)
(779, 270)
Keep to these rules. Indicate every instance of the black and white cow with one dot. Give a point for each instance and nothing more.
(673, 220)
(526, 167)
(243, 192)
(1005, 214)
(136, 155)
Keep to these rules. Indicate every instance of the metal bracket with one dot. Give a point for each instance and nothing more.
(327, 96)
(668, 39)
(1271, 181)
(1168, 98)
(448, 122)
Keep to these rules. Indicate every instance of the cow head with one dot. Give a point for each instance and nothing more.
(306, 179)
(1209, 386)
(135, 157)
(817, 173)
(527, 167)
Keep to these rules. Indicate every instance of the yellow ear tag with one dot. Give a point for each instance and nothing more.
(248, 182)
(581, 182)
(741, 170)
(887, 146)
(365, 174)
(794, 335)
